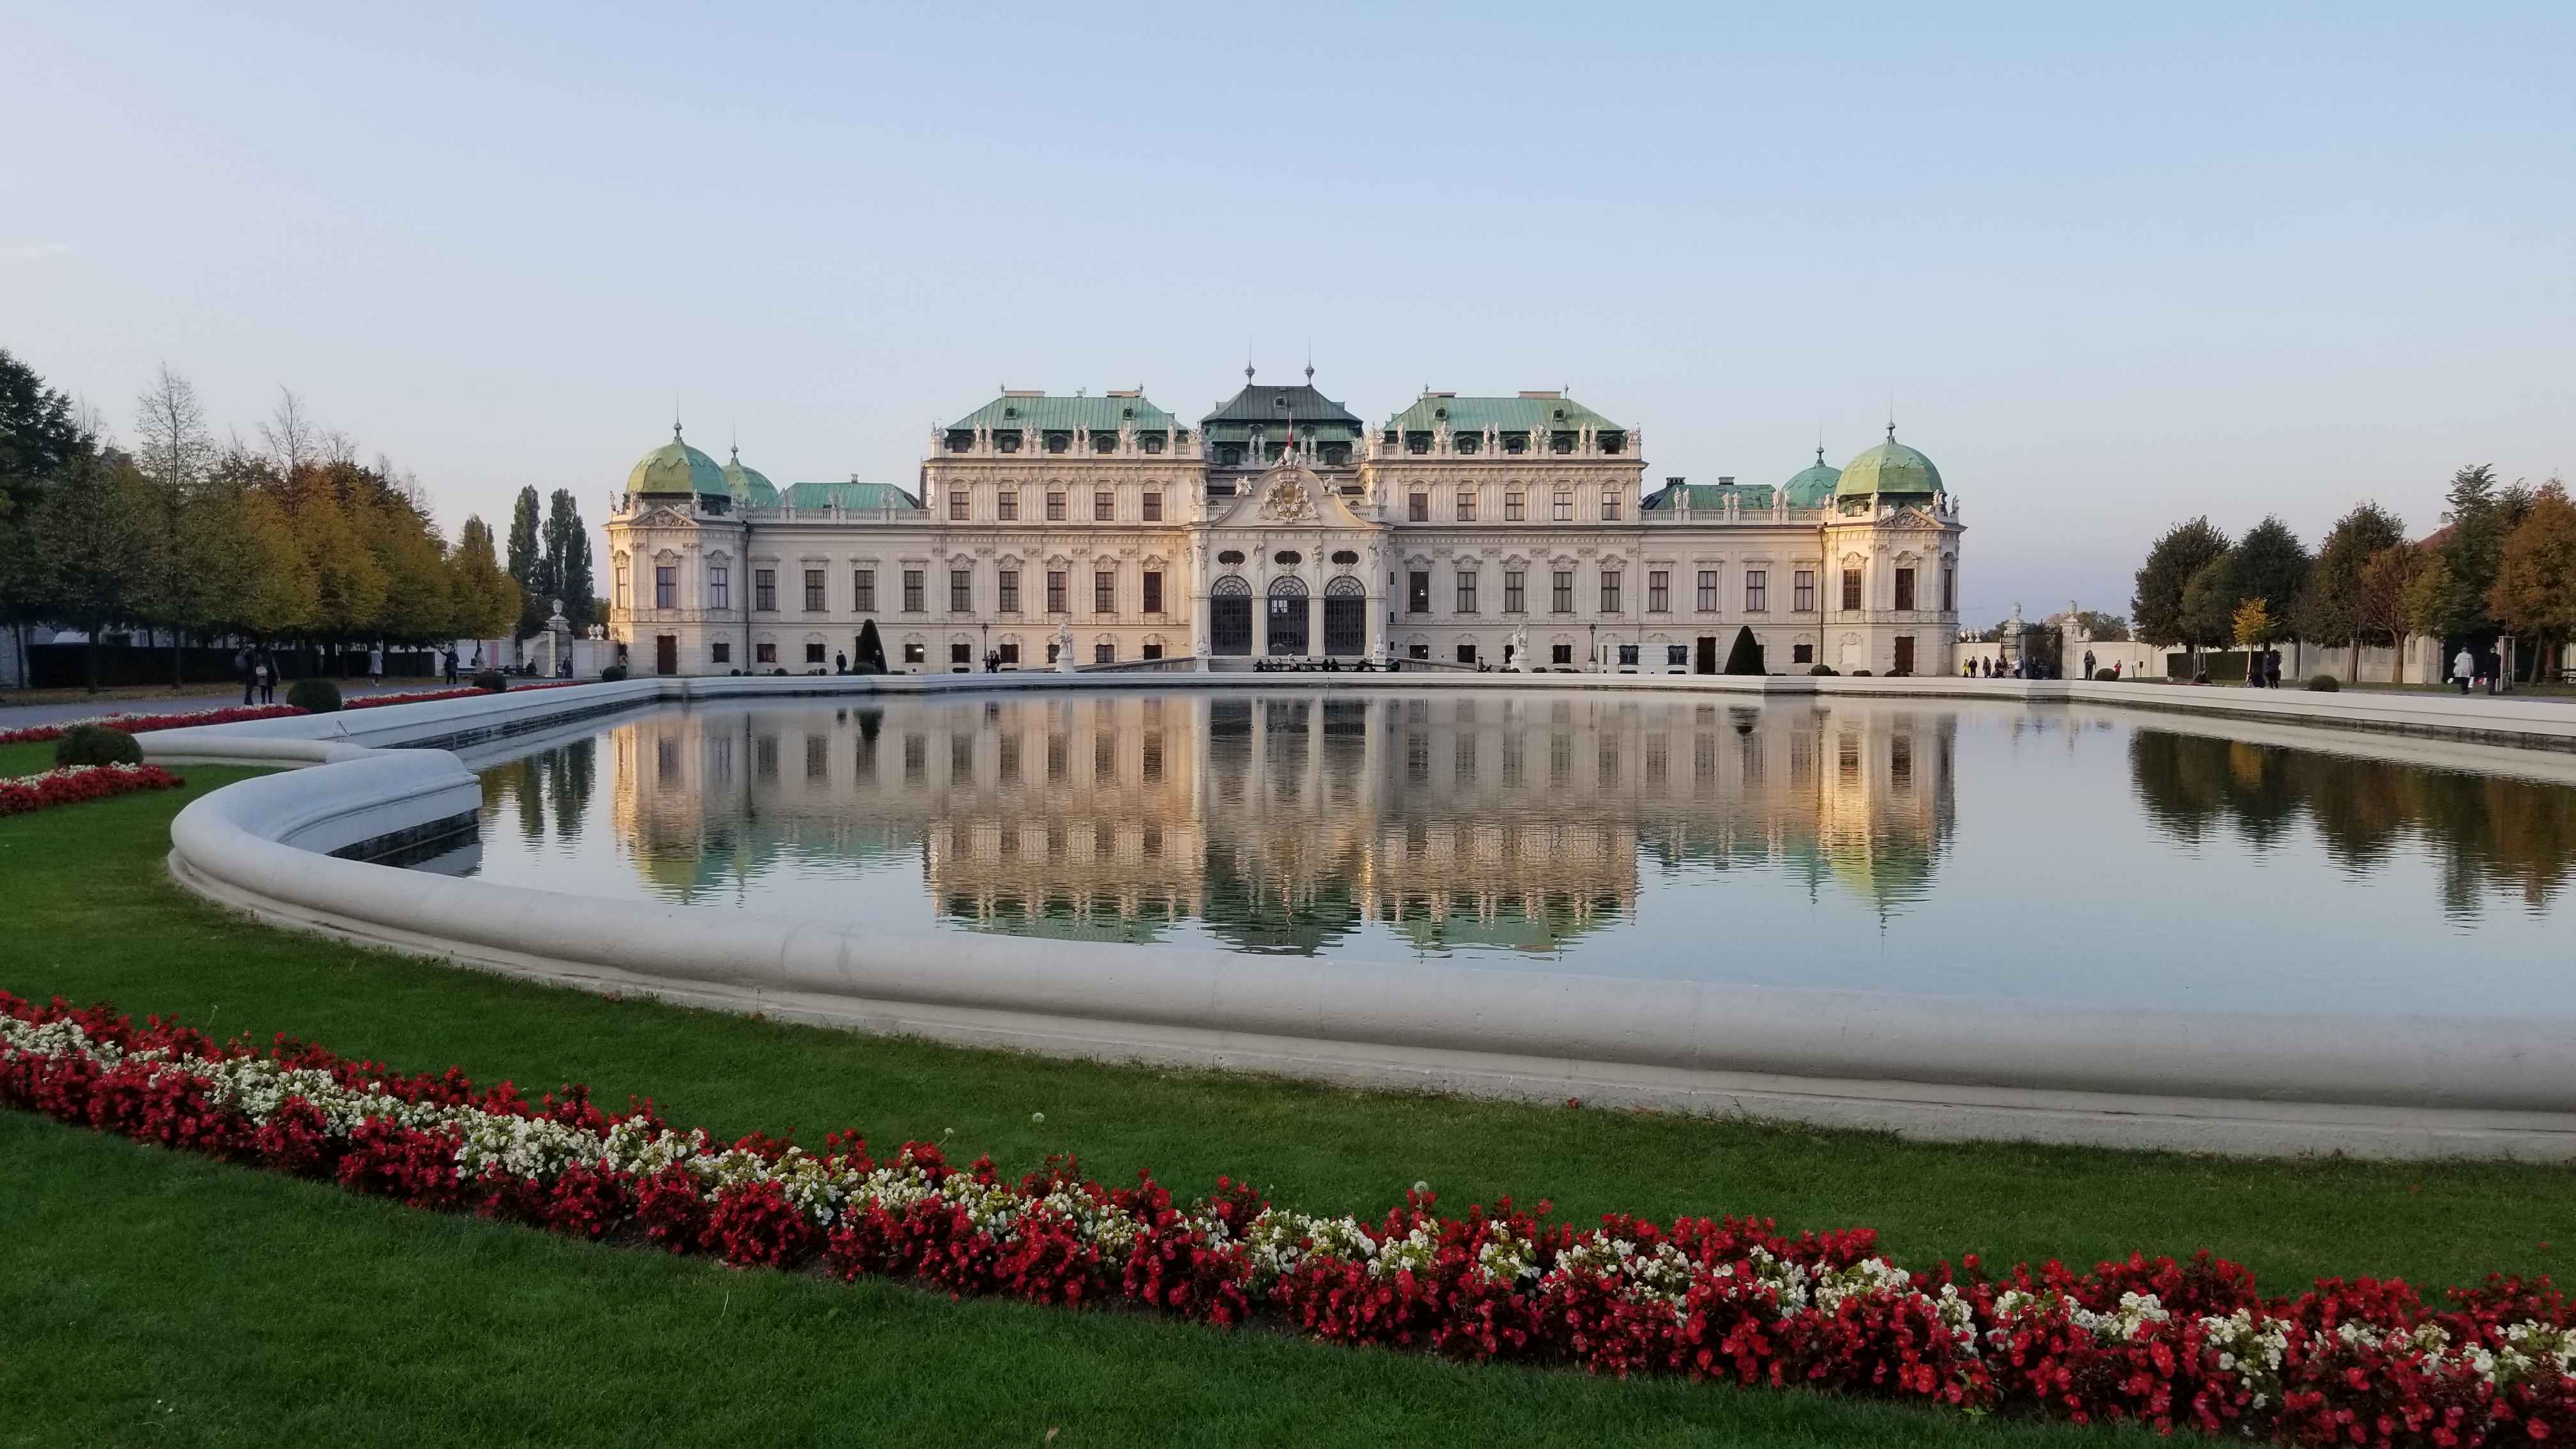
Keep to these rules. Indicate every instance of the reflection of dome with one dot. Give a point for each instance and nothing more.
(675, 467)
(1814, 485)
(749, 486)
(1891, 467)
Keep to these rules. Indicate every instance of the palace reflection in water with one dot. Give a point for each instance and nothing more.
(1518, 823)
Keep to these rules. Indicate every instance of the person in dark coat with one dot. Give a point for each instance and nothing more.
(242, 669)
(2271, 668)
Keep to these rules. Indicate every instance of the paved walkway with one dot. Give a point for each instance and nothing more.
(23, 716)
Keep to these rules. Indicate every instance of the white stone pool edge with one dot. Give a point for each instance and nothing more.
(1932, 1067)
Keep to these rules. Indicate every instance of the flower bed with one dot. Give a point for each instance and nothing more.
(75, 783)
(2175, 1345)
(135, 724)
(370, 701)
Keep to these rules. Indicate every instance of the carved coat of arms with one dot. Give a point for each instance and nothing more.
(1286, 502)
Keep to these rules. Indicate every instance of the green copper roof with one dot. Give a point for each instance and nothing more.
(1500, 414)
(749, 486)
(851, 494)
(1813, 487)
(1891, 467)
(1076, 414)
(1711, 497)
(675, 467)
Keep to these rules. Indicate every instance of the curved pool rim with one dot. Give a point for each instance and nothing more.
(2242, 1082)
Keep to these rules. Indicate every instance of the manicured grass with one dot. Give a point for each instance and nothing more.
(258, 1304)
(32, 759)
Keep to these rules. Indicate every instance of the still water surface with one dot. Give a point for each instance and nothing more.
(1945, 847)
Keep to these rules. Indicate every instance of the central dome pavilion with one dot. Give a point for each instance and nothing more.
(675, 467)
(1892, 468)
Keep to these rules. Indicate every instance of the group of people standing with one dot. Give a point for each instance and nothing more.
(257, 669)
(2475, 667)
(2263, 669)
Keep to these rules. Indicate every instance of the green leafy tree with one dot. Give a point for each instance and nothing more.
(2451, 597)
(2209, 603)
(2173, 561)
(2332, 608)
(526, 560)
(41, 441)
(2535, 588)
(566, 565)
(176, 456)
(484, 597)
(94, 544)
(2100, 626)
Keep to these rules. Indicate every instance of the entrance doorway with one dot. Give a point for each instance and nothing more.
(666, 654)
(1706, 663)
(1904, 654)
(1230, 617)
(1346, 618)
(1289, 616)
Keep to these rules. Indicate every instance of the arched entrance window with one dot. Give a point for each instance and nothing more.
(1290, 616)
(1230, 616)
(1346, 617)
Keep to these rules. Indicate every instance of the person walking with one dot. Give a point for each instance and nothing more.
(2491, 665)
(241, 671)
(2271, 669)
(264, 671)
(2463, 664)
(376, 666)
(447, 657)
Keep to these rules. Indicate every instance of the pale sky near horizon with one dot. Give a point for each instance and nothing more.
(2110, 266)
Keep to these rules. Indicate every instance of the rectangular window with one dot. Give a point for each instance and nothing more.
(617, 590)
(1006, 592)
(1949, 588)
(1466, 747)
(1564, 507)
(720, 652)
(1153, 591)
(764, 653)
(813, 653)
(1802, 653)
(1659, 591)
(1104, 654)
(1515, 595)
(1802, 585)
(1905, 588)
(1706, 602)
(1417, 592)
(1609, 508)
(1155, 651)
(961, 654)
(961, 591)
(1055, 592)
(1153, 508)
(1006, 505)
(1011, 655)
(764, 590)
(1561, 597)
(813, 591)
(1757, 591)
(863, 590)
(1104, 592)
(1609, 591)
(912, 585)
(912, 654)
(1417, 508)
(1560, 654)
(1104, 507)
(666, 586)
(957, 501)
(1055, 508)
(1466, 591)
(1466, 508)
(719, 587)
(1515, 506)
(1851, 589)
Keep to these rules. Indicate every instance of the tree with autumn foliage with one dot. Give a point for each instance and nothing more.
(2535, 587)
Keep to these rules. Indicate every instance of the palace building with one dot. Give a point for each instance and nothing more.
(1498, 532)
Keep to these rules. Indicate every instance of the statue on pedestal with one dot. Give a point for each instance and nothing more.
(1064, 647)
(1519, 663)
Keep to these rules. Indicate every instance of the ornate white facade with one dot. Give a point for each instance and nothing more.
(1462, 532)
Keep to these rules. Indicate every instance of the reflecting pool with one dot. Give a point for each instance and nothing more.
(1942, 846)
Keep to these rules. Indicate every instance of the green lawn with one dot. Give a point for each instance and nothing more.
(224, 1305)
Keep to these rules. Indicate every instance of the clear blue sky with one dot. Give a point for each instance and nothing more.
(2113, 266)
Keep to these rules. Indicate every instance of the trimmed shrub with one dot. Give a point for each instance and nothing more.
(871, 658)
(1746, 656)
(1860, 674)
(612, 674)
(97, 744)
(2107, 676)
(314, 696)
(491, 681)
(1821, 670)
(2324, 683)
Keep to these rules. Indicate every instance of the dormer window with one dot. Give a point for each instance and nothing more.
(1560, 442)
(1515, 443)
(1612, 442)
(1127, 412)
(961, 439)
(1390, 437)
(1151, 442)
(1337, 455)
(1010, 412)
(1058, 441)
(1007, 440)
(1102, 442)
(1560, 415)
(1417, 442)
(1441, 413)
(1229, 455)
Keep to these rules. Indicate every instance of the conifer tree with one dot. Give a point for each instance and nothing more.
(1746, 656)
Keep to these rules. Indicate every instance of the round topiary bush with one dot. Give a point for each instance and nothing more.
(490, 680)
(97, 744)
(612, 674)
(314, 696)
(1821, 670)
(2324, 683)
(1860, 674)
(2107, 676)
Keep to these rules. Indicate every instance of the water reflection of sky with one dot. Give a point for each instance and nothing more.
(1948, 849)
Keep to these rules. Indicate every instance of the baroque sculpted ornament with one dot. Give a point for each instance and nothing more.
(1285, 501)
